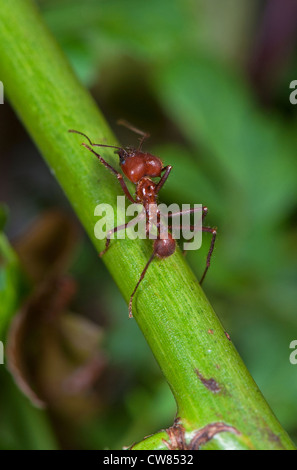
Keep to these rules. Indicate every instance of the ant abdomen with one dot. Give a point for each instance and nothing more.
(164, 247)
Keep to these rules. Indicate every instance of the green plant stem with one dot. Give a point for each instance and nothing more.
(207, 377)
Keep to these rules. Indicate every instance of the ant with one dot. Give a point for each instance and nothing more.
(139, 167)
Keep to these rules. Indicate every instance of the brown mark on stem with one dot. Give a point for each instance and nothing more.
(274, 438)
(227, 335)
(208, 432)
(210, 384)
(177, 440)
(176, 436)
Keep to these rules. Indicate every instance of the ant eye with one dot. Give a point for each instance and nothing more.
(122, 155)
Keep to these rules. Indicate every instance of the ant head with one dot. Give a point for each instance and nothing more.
(124, 154)
(136, 164)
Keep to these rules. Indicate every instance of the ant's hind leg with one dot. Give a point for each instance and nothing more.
(213, 231)
(139, 281)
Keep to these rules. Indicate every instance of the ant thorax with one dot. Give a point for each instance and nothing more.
(146, 191)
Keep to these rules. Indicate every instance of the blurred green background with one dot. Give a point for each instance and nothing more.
(210, 81)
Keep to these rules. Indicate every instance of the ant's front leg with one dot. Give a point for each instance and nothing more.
(115, 172)
(167, 170)
(107, 165)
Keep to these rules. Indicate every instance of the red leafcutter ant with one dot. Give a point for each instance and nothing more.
(140, 167)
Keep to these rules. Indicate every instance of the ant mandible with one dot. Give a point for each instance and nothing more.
(139, 167)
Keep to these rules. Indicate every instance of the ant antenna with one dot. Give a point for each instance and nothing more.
(144, 135)
(91, 143)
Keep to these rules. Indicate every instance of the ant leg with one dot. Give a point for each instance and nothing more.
(131, 223)
(109, 233)
(167, 170)
(107, 165)
(191, 227)
(188, 211)
(205, 212)
(144, 135)
(191, 211)
(145, 269)
(139, 281)
(213, 231)
(115, 172)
